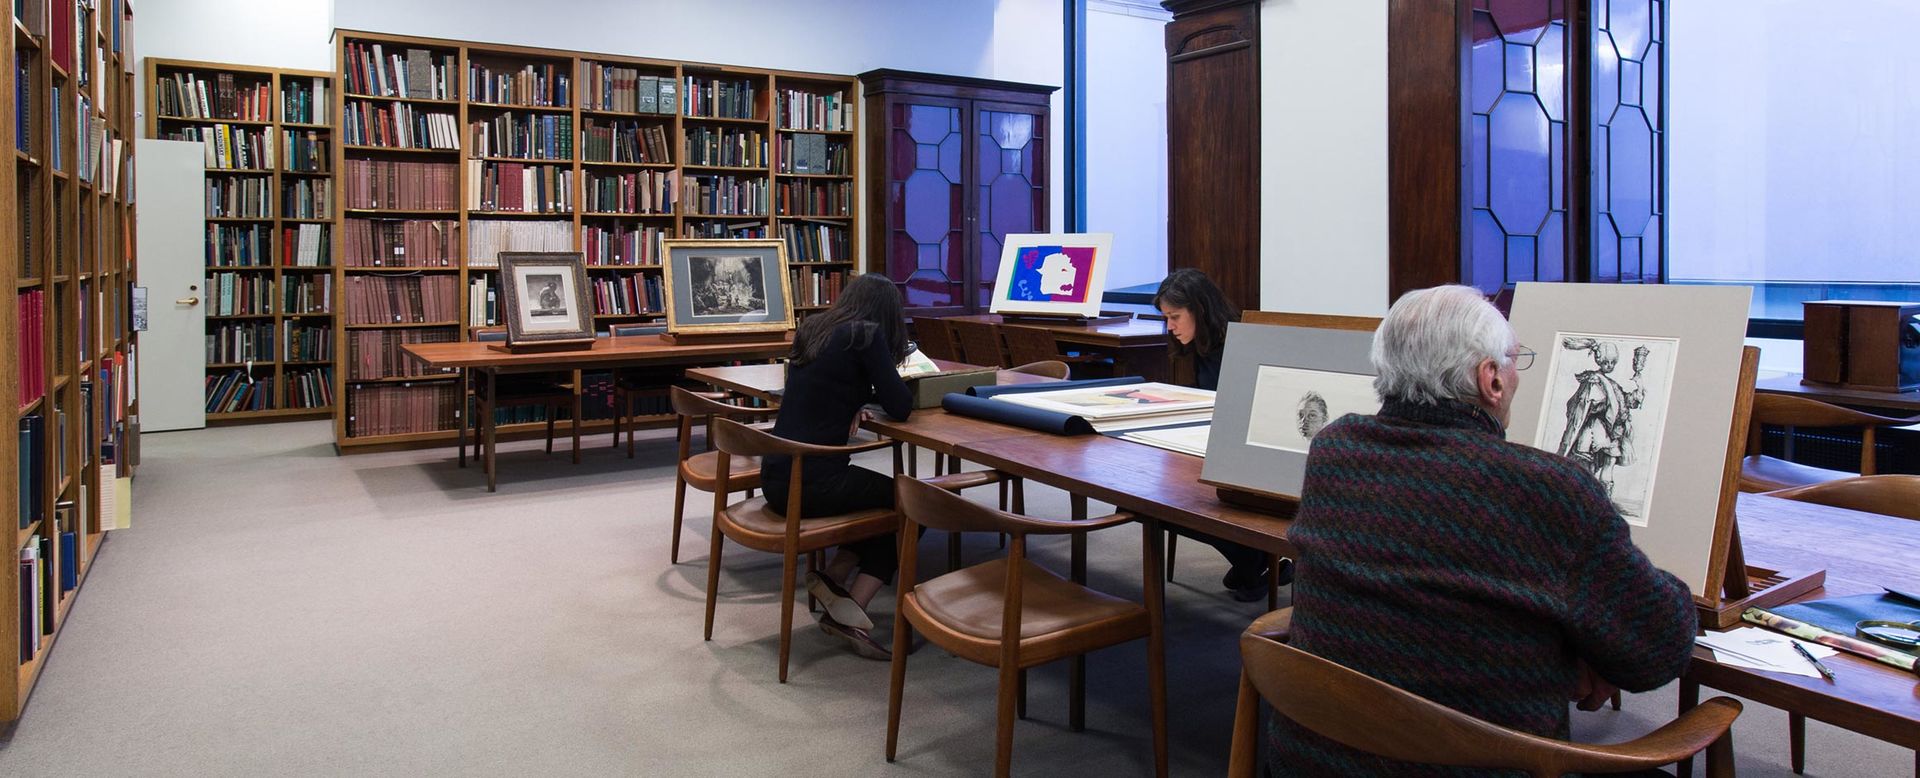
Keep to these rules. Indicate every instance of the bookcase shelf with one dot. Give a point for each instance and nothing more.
(69, 258)
(279, 107)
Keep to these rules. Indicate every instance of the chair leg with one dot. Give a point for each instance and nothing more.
(1077, 693)
(628, 409)
(815, 562)
(953, 551)
(1273, 582)
(1616, 692)
(679, 508)
(1173, 545)
(551, 412)
(789, 562)
(1689, 699)
(1157, 698)
(1003, 736)
(576, 430)
(1246, 739)
(1720, 757)
(1020, 708)
(896, 690)
(619, 414)
(1797, 742)
(713, 577)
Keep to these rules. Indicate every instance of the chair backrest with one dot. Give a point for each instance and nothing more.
(687, 403)
(935, 338)
(1047, 369)
(929, 505)
(979, 343)
(1369, 715)
(631, 330)
(738, 439)
(1888, 495)
(1029, 344)
(1782, 410)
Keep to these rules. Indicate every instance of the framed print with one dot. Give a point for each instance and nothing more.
(1279, 385)
(546, 297)
(1053, 275)
(1637, 384)
(727, 286)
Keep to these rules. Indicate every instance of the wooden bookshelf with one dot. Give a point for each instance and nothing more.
(589, 223)
(69, 258)
(295, 106)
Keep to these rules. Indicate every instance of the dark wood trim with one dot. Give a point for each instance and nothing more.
(1213, 143)
(1184, 7)
(1578, 172)
(1427, 133)
(887, 80)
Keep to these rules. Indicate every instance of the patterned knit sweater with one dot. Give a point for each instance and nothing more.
(1440, 558)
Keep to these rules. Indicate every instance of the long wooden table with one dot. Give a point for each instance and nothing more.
(1789, 384)
(472, 357)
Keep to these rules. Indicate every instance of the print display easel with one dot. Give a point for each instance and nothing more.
(1064, 319)
(1743, 585)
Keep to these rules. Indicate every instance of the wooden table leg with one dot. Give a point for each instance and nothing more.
(1077, 570)
(493, 473)
(1689, 699)
(576, 417)
(460, 429)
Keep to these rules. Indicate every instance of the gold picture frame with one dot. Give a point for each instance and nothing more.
(727, 286)
(563, 312)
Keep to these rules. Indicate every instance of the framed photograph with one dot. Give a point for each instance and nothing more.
(727, 286)
(546, 297)
(1053, 275)
(1638, 384)
(1279, 385)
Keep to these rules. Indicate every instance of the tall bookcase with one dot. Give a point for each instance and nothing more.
(70, 264)
(629, 150)
(270, 286)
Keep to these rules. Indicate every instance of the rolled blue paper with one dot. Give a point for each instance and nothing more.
(1016, 415)
(985, 392)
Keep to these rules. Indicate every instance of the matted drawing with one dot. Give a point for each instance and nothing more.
(1057, 274)
(1292, 404)
(725, 286)
(545, 297)
(1606, 409)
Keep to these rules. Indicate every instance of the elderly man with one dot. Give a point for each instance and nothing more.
(1488, 576)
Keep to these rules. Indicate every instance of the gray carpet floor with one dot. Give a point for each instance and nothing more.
(279, 610)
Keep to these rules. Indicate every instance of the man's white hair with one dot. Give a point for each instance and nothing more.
(1430, 345)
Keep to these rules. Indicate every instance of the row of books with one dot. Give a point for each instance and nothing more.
(306, 342)
(306, 150)
(720, 229)
(306, 245)
(189, 96)
(399, 126)
(307, 198)
(400, 242)
(722, 99)
(624, 141)
(238, 390)
(397, 409)
(239, 245)
(30, 308)
(418, 74)
(239, 294)
(627, 294)
(800, 110)
(517, 188)
(817, 287)
(622, 244)
(814, 198)
(810, 242)
(239, 198)
(482, 303)
(414, 186)
(241, 342)
(486, 238)
(22, 99)
(310, 387)
(644, 191)
(375, 354)
(39, 594)
(613, 88)
(541, 85)
(305, 101)
(725, 146)
(389, 299)
(522, 136)
(307, 293)
(226, 147)
(806, 153)
(725, 196)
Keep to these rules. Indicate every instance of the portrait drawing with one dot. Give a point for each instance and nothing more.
(1291, 405)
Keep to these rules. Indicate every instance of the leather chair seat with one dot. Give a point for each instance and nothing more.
(702, 471)
(962, 612)
(1761, 473)
(752, 524)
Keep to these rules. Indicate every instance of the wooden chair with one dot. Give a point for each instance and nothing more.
(631, 384)
(1353, 709)
(1031, 344)
(971, 612)
(1762, 473)
(542, 389)
(701, 471)
(1046, 368)
(935, 338)
(752, 524)
(979, 343)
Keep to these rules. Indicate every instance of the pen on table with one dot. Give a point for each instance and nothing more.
(1824, 672)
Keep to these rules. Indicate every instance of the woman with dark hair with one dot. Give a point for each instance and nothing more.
(1197, 316)
(842, 359)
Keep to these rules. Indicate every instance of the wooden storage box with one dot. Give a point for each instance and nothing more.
(1863, 345)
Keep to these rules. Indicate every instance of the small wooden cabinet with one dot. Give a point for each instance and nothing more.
(954, 165)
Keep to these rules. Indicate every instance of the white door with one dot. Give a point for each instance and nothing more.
(172, 245)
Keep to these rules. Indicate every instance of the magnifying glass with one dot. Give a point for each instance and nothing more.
(1893, 633)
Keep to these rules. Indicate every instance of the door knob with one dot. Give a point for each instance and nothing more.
(187, 301)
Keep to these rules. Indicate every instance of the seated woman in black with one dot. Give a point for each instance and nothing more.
(1197, 315)
(844, 358)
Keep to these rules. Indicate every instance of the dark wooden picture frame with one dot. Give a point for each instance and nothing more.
(568, 269)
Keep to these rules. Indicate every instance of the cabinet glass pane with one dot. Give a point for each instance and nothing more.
(927, 201)
(1516, 83)
(1007, 163)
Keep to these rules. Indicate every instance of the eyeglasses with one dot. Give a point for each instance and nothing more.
(1523, 357)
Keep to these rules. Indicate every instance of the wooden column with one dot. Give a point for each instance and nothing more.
(1213, 143)
(1426, 143)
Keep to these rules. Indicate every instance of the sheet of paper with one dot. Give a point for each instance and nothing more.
(917, 363)
(1186, 440)
(1761, 649)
